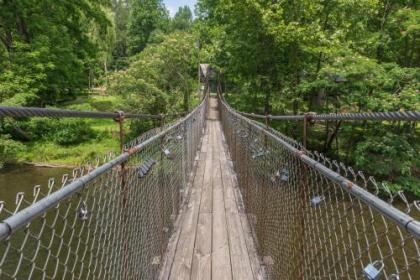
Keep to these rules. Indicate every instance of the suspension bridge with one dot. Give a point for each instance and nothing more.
(212, 195)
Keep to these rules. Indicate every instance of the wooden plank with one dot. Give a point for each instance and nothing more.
(206, 198)
(241, 240)
(171, 249)
(173, 242)
(221, 266)
(257, 268)
(241, 266)
(181, 267)
(201, 265)
(255, 262)
(205, 145)
(214, 240)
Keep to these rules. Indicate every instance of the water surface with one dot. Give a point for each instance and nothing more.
(23, 178)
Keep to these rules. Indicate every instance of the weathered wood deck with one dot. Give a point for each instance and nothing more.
(212, 239)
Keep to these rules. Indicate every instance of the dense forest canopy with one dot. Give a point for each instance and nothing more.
(273, 57)
(52, 51)
(90, 55)
(47, 47)
(292, 57)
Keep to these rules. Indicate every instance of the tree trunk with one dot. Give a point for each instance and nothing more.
(333, 136)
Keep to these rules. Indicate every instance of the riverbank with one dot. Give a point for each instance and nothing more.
(44, 153)
(64, 142)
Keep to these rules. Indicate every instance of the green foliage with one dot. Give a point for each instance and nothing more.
(161, 78)
(106, 103)
(52, 153)
(56, 58)
(145, 17)
(63, 131)
(121, 9)
(183, 19)
(41, 128)
(290, 57)
(386, 155)
(9, 149)
(71, 132)
(47, 47)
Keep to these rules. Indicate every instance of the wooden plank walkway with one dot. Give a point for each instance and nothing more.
(212, 239)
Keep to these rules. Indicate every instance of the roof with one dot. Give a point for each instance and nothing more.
(207, 72)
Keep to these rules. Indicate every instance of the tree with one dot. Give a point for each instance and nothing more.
(121, 9)
(47, 49)
(183, 19)
(146, 16)
(285, 57)
(159, 77)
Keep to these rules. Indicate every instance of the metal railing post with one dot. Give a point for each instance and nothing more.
(162, 189)
(263, 201)
(106, 209)
(302, 185)
(305, 130)
(120, 120)
(123, 184)
(247, 173)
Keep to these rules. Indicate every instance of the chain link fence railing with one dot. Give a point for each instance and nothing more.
(111, 220)
(313, 218)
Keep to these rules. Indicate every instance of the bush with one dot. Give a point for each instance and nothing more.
(80, 107)
(63, 131)
(72, 132)
(9, 149)
(41, 128)
(388, 155)
(139, 127)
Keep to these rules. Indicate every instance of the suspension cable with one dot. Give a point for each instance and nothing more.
(23, 217)
(372, 116)
(24, 112)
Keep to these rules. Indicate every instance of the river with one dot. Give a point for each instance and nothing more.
(23, 178)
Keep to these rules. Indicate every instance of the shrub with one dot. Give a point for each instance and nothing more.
(41, 128)
(63, 131)
(9, 149)
(70, 132)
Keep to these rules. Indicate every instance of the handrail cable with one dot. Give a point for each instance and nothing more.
(372, 116)
(24, 112)
(25, 216)
(402, 219)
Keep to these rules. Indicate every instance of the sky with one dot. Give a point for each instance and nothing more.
(173, 5)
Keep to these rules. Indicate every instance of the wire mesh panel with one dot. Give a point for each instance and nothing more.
(108, 221)
(313, 218)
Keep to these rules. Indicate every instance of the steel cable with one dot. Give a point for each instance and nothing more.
(26, 112)
(313, 218)
(378, 116)
(109, 220)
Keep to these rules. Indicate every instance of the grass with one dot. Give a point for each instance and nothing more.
(106, 139)
(51, 153)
